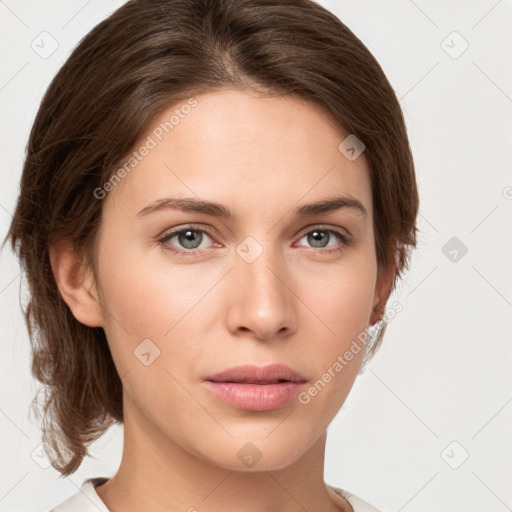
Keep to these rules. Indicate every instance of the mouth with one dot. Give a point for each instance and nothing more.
(252, 374)
(251, 381)
(254, 388)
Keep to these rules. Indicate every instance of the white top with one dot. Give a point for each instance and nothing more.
(88, 500)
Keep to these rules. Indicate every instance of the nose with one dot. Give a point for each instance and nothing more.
(261, 302)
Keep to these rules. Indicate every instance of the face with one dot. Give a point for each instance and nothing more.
(189, 294)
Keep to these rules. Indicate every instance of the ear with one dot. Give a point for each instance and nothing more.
(76, 284)
(383, 288)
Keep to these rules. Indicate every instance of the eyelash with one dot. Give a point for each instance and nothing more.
(345, 240)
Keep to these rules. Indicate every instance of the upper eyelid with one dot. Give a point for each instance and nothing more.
(326, 227)
(174, 231)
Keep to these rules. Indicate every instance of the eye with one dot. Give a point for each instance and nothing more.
(188, 238)
(320, 236)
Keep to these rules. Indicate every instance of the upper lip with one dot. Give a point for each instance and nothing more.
(253, 374)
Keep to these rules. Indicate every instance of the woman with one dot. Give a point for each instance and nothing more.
(217, 200)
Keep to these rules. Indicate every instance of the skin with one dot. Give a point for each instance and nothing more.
(295, 304)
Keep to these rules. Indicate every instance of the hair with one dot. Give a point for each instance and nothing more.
(146, 56)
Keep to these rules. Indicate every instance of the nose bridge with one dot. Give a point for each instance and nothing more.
(261, 295)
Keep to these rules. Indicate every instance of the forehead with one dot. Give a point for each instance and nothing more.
(244, 150)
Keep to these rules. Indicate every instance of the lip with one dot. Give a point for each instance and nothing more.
(253, 374)
(256, 388)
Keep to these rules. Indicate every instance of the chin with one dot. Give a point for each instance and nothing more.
(252, 453)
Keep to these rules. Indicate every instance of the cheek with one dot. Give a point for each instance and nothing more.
(154, 300)
(333, 325)
(340, 300)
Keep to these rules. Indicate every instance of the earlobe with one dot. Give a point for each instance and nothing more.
(76, 284)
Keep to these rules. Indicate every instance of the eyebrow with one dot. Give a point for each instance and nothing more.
(218, 210)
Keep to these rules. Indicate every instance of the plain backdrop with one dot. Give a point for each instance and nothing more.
(428, 426)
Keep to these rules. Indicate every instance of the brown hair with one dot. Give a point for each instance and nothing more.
(147, 55)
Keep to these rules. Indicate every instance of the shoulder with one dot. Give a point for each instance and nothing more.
(85, 500)
(358, 504)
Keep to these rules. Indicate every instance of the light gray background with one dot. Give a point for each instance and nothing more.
(443, 374)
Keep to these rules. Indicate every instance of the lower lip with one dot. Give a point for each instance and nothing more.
(255, 397)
